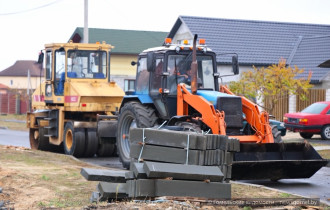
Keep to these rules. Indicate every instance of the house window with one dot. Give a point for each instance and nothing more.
(129, 84)
(11, 82)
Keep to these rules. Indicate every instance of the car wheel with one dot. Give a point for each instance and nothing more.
(276, 134)
(306, 135)
(325, 133)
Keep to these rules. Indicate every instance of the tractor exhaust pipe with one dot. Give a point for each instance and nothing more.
(194, 68)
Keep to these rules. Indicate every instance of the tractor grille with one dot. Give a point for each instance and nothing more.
(232, 106)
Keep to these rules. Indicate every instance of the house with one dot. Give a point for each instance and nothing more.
(128, 44)
(3, 89)
(260, 44)
(16, 76)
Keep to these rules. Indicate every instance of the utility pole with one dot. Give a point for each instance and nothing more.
(86, 21)
(29, 87)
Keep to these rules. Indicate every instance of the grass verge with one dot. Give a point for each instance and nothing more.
(13, 122)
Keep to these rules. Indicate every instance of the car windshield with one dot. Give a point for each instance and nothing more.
(316, 108)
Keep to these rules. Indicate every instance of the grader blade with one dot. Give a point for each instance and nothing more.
(276, 161)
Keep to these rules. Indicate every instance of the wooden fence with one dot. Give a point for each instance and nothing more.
(313, 95)
(282, 106)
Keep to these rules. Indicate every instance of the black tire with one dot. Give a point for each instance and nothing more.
(91, 143)
(306, 135)
(38, 141)
(133, 114)
(106, 150)
(276, 134)
(325, 132)
(73, 140)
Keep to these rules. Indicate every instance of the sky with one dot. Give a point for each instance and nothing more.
(26, 25)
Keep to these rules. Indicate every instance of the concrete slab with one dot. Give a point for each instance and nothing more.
(105, 175)
(183, 172)
(112, 191)
(141, 188)
(165, 154)
(138, 170)
(129, 175)
(212, 190)
(168, 138)
(163, 187)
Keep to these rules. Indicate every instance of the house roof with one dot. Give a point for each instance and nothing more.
(21, 68)
(255, 42)
(125, 41)
(310, 52)
(2, 86)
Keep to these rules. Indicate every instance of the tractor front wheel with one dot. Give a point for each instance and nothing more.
(37, 139)
(133, 114)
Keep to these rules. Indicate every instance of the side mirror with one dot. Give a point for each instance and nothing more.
(151, 62)
(41, 57)
(235, 64)
(133, 63)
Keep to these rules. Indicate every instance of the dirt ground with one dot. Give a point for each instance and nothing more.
(40, 180)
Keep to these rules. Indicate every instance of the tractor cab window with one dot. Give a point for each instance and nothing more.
(59, 72)
(49, 65)
(156, 81)
(179, 68)
(87, 64)
(142, 76)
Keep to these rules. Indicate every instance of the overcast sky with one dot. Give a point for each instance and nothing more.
(26, 25)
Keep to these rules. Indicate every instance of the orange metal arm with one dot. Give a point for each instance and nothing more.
(258, 121)
(210, 116)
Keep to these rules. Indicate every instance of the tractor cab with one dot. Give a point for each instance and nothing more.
(161, 69)
(72, 70)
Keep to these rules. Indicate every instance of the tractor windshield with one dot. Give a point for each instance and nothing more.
(179, 68)
(87, 64)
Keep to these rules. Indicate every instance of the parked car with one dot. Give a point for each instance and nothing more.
(314, 119)
(280, 126)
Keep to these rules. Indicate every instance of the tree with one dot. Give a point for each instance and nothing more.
(276, 82)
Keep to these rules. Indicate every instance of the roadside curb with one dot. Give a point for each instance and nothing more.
(3, 128)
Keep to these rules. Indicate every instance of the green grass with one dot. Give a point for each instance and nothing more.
(325, 154)
(7, 123)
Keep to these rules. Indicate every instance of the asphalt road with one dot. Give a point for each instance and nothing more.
(316, 186)
(15, 138)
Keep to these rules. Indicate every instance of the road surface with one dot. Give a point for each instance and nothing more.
(316, 186)
(15, 138)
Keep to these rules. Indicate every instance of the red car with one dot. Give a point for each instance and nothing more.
(314, 119)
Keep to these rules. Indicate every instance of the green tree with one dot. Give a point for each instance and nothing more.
(277, 81)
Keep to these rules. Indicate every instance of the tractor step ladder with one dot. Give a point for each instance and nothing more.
(53, 124)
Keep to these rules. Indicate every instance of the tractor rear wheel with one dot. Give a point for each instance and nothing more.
(133, 114)
(106, 150)
(91, 143)
(74, 140)
(276, 134)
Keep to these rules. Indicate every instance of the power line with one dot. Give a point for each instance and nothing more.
(29, 10)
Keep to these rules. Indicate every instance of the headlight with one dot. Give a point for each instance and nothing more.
(282, 124)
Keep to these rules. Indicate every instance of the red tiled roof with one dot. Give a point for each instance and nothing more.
(21, 67)
(2, 86)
